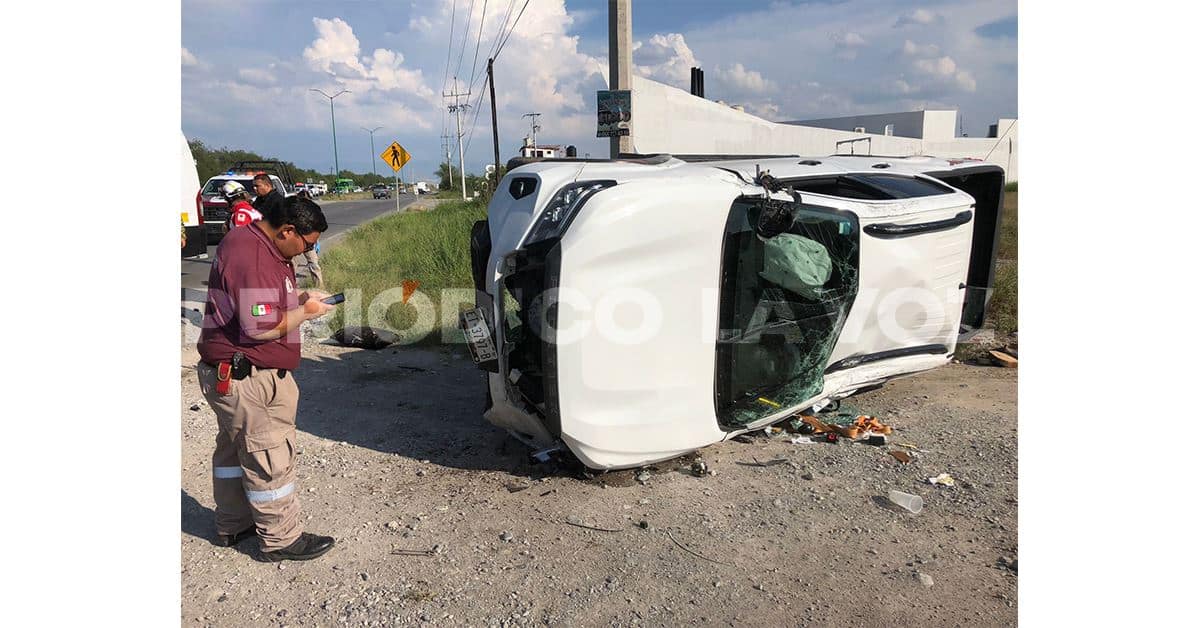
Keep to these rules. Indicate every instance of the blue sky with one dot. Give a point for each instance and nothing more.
(248, 65)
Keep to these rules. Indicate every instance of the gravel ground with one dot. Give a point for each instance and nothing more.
(394, 455)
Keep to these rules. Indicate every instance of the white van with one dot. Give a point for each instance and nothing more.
(639, 309)
(191, 213)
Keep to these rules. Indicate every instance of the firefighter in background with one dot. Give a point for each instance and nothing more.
(241, 212)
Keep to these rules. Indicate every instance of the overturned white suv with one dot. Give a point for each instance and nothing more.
(635, 310)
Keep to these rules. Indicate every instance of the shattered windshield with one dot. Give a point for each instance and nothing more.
(783, 303)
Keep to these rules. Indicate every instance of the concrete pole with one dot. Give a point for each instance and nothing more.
(620, 63)
(462, 175)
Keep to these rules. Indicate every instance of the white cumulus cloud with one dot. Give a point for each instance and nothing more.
(847, 45)
(916, 50)
(919, 16)
(187, 58)
(666, 58)
(739, 78)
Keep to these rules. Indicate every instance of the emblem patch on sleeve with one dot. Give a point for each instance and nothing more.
(261, 309)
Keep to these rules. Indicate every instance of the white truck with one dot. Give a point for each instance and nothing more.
(191, 210)
(635, 310)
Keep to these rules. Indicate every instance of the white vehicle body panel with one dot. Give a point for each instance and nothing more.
(628, 399)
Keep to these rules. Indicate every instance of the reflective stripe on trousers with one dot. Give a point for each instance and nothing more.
(259, 497)
(227, 473)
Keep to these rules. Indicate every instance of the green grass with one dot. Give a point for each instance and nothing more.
(431, 247)
(1003, 307)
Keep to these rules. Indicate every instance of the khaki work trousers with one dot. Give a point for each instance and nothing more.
(254, 471)
(310, 261)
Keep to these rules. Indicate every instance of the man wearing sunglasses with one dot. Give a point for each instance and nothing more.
(249, 346)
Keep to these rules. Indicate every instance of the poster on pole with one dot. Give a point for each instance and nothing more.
(613, 112)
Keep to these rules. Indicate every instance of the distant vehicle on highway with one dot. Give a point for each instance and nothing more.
(343, 186)
(422, 187)
(381, 190)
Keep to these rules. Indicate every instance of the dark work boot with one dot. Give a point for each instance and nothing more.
(307, 547)
(229, 540)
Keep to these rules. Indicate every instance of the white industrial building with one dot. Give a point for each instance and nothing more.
(675, 121)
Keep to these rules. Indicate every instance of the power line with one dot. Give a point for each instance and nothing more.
(466, 34)
(478, 37)
(499, 48)
(510, 31)
(449, 45)
(494, 42)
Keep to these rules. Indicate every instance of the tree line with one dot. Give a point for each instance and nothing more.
(211, 162)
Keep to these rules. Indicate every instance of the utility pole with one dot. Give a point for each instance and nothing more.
(620, 64)
(496, 132)
(449, 170)
(457, 109)
(372, 132)
(333, 123)
(533, 126)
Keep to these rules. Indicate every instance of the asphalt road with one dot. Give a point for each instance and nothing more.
(342, 216)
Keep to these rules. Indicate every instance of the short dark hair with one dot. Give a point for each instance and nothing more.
(263, 177)
(302, 213)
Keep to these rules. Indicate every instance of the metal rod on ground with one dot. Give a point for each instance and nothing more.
(495, 131)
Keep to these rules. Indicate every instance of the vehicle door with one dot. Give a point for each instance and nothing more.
(914, 253)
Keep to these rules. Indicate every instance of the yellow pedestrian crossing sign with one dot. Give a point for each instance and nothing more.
(395, 156)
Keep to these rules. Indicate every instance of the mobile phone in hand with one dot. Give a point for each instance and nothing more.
(335, 299)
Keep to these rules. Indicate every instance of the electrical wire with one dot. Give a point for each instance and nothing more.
(449, 45)
(478, 38)
(466, 34)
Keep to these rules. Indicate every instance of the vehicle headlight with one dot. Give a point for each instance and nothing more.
(561, 210)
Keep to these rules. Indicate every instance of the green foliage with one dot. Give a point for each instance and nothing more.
(1003, 306)
(1011, 187)
(432, 247)
(213, 161)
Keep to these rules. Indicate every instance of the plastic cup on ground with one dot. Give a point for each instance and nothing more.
(911, 503)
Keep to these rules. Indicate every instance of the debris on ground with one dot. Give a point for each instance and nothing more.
(908, 501)
(769, 463)
(642, 476)
(1003, 359)
(943, 479)
(900, 456)
(693, 553)
(195, 407)
(517, 487)
(877, 440)
(926, 580)
(699, 469)
(578, 523)
(413, 552)
(365, 337)
(506, 536)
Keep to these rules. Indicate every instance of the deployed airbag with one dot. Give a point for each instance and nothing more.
(796, 263)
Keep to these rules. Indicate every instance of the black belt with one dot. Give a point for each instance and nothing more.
(281, 373)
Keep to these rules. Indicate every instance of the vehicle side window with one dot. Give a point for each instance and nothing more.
(783, 302)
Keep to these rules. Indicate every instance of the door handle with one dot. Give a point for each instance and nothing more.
(893, 230)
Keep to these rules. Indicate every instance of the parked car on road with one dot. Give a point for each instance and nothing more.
(380, 190)
(635, 310)
(216, 210)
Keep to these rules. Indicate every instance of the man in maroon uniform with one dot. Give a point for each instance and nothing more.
(249, 346)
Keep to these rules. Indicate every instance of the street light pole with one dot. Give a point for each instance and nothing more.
(337, 168)
(372, 132)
